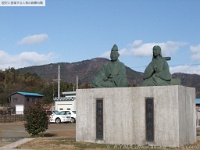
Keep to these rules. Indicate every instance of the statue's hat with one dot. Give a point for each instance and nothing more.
(114, 48)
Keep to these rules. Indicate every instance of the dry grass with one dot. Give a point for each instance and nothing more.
(71, 144)
(61, 143)
(48, 144)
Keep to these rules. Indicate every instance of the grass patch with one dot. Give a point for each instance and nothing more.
(71, 144)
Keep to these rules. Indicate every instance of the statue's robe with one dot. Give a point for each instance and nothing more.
(113, 74)
(159, 76)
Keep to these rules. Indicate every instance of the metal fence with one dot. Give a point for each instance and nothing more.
(11, 118)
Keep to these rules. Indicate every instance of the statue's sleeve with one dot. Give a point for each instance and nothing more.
(96, 82)
(103, 73)
(165, 74)
(120, 79)
(122, 70)
(148, 71)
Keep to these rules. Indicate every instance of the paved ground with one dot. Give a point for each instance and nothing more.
(14, 133)
(17, 130)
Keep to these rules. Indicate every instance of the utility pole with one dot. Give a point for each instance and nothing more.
(53, 88)
(76, 81)
(58, 82)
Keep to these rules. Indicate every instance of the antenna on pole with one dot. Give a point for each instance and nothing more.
(76, 81)
(58, 82)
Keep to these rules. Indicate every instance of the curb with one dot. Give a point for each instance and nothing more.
(13, 145)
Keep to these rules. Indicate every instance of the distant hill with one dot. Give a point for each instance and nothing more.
(86, 70)
(189, 80)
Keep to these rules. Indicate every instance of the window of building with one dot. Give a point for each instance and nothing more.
(27, 99)
(33, 100)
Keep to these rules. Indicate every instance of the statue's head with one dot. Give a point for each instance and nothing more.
(156, 51)
(114, 53)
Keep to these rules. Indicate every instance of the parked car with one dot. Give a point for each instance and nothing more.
(72, 115)
(58, 117)
(50, 112)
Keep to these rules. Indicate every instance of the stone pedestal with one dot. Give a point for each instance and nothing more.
(157, 116)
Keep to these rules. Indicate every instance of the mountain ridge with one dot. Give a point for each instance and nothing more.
(86, 70)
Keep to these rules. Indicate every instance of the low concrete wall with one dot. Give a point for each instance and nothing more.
(124, 115)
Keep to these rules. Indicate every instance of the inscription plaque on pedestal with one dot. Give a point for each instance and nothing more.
(149, 116)
(99, 119)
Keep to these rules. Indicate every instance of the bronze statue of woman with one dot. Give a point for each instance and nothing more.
(157, 72)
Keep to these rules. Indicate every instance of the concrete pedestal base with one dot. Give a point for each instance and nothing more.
(125, 115)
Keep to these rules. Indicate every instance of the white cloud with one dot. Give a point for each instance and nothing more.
(106, 54)
(190, 69)
(138, 49)
(195, 52)
(24, 59)
(33, 39)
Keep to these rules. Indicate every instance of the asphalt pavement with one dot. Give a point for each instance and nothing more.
(15, 134)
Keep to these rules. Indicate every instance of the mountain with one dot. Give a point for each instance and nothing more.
(86, 70)
(189, 80)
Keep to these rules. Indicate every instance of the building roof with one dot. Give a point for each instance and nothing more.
(29, 94)
(69, 93)
(197, 100)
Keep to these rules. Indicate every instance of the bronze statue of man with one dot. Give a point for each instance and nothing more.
(157, 72)
(113, 73)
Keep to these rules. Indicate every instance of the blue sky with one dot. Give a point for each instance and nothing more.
(75, 30)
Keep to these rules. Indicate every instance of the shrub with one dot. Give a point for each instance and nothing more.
(36, 120)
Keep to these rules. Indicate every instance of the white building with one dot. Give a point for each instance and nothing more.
(68, 102)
